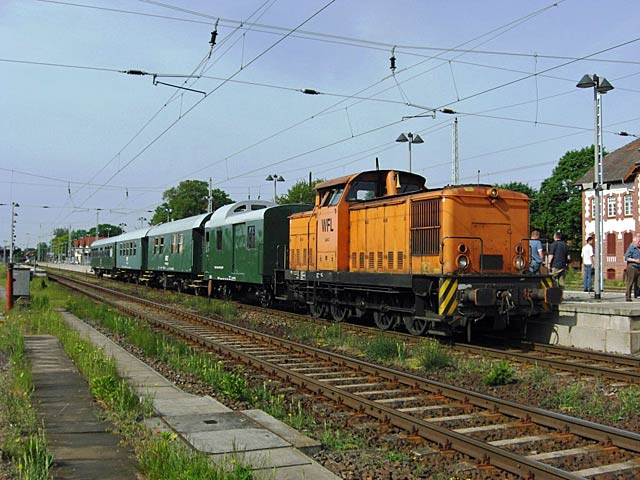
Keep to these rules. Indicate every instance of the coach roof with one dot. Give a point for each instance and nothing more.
(181, 225)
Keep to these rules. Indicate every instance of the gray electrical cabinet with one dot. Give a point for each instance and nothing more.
(21, 279)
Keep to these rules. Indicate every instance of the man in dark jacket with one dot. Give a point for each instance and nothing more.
(632, 257)
(559, 258)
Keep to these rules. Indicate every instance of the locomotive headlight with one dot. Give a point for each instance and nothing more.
(519, 249)
(463, 262)
(519, 262)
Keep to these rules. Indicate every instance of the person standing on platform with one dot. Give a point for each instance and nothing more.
(536, 252)
(559, 259)
(587, 265)
(632, 257)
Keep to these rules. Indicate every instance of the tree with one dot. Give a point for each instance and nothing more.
(559, 200)
(301, 193)
(532, 193)
(189, 198)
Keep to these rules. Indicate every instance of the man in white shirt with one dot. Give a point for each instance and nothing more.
(587, 265)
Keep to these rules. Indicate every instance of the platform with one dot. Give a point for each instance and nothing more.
(609, 324)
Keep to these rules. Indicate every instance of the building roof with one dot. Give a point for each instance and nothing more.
(619, 166)
(85, 241)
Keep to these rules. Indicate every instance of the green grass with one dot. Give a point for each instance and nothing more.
(21, 438)
(385, 348)
(431, 355)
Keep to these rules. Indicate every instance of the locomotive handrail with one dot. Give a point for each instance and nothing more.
(459, 238)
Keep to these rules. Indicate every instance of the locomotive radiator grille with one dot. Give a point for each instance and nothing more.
(425, 227)
(447, 298)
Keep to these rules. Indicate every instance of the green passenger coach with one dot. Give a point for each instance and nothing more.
(103, 259)
(244, 243)
(174, 252)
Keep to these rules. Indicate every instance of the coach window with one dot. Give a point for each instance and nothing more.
(155, 246)
(251, 236)
(218, 239)
(180, 243)
(161, 245)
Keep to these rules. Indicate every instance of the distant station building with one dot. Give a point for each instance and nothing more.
(81, 251)
(620, 207)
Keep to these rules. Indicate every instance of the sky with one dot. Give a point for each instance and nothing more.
(82, 138)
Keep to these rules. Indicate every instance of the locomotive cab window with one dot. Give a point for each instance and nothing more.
(332, 197)
(251, 236)
(362, 190)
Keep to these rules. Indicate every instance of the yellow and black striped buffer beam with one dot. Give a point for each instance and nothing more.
(447, 296)
(546, 282)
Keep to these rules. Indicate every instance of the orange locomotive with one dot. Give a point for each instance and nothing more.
(440, 261)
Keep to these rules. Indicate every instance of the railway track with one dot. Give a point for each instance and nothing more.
(619, 368)
(525, 441)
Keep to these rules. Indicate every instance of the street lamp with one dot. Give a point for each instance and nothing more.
(410, 138)
(122, 225)
(275, 178)
(600, 85)
(141, 220)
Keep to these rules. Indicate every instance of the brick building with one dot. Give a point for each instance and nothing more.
(620, 206)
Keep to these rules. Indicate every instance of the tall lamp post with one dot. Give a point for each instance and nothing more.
(600, 85)
(410, 138)
(275, 178)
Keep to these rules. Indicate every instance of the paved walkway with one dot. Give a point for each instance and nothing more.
(81, 444)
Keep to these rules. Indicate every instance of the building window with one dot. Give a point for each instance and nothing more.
(627, 239)
(611, 244)
(611, 206)
(628, 205)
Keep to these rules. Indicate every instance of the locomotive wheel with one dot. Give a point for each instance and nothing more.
(339, 313)
(415, 326)
(265, 299)
(317, 309)
(385, 320)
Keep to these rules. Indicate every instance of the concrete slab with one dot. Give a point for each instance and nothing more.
(235, 440)
(280, 464)
(210, 422)
(291, 435)
(188, 406)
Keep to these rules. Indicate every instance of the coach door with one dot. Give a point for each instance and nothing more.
(239, 246)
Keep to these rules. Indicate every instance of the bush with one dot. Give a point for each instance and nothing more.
(433, 356)
(501, 374)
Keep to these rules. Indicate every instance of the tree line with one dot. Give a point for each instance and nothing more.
(556, 205)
